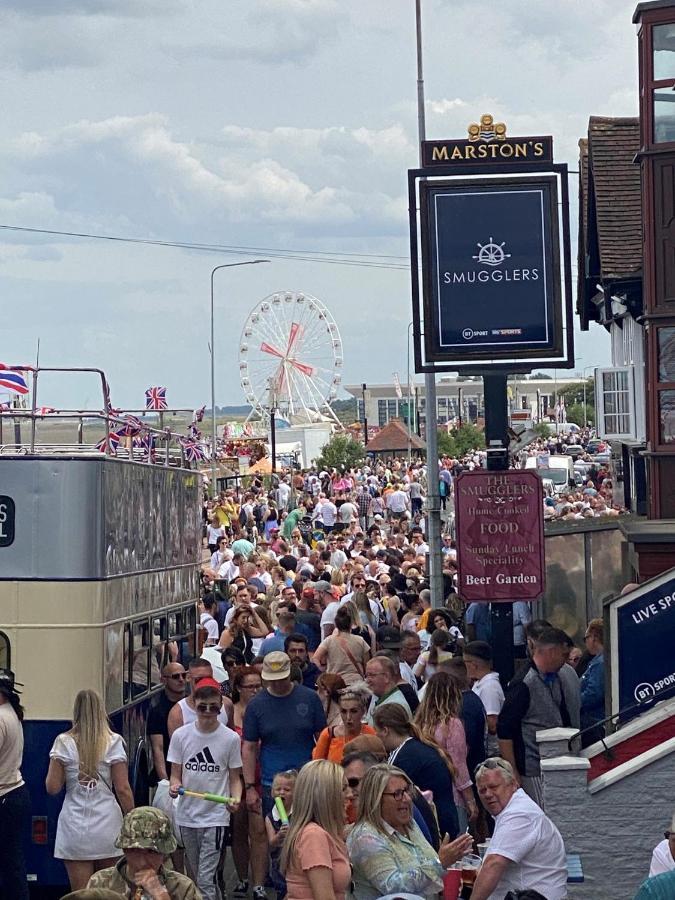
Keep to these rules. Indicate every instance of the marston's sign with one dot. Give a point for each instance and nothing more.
(642, 625)
(500, 535)
(487, 142)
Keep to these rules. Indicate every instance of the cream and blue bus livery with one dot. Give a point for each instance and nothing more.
(99, 559)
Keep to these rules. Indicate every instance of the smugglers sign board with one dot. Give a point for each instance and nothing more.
(642, 629)
(491, 268)
(500, 535)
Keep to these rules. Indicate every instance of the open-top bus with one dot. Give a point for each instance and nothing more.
(99, 555)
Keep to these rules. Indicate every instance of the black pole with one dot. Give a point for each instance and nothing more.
(496, 404)
(273, 439)
(365, 416)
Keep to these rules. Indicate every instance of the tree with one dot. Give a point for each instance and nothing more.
(341, 451)
(541, 375)
(542, 430)
(575, 413)
(460, 440)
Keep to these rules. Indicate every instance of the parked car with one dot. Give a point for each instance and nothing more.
(596, 446)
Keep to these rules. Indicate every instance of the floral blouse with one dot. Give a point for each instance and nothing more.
(391, 863)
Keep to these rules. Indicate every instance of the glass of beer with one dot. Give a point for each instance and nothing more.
(470, 865)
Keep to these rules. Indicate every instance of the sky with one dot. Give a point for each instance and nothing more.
(285, 125)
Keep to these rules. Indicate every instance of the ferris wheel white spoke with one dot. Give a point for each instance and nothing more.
(290, 354)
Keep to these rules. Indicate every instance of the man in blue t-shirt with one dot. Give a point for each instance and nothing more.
(281, 725)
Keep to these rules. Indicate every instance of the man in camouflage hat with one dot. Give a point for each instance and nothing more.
(146, 839)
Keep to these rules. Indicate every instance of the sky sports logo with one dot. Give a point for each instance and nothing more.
(202, 762)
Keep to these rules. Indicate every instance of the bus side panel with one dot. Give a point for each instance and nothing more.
(38, 739)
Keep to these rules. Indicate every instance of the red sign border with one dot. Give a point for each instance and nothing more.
(528, 474)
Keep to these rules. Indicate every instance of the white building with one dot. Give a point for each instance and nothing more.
(458, 400)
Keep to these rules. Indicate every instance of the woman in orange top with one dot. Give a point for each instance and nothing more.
(314, 859)
(353, 703)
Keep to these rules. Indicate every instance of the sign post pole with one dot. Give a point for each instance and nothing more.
(497, 441)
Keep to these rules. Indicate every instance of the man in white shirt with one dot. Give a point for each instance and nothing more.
(526, 851)
(325, 513)
(347, 513)
(478, 661)
(398, 502)
(323, 591)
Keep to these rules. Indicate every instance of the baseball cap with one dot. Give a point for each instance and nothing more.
(207, 682)
(276, 665)
(388, 637)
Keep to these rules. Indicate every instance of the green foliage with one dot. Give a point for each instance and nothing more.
(540, 375)
(460, 440)
(575, 413)
(542, 430)
(574, 393)
(341, 451)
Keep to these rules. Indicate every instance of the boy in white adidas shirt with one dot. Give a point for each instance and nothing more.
(205, 756)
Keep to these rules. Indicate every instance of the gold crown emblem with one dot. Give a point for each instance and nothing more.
(487, 130)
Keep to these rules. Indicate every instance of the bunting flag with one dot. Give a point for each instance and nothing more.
(192, 450)
(109, 444)
(155, 398)
(131, 427)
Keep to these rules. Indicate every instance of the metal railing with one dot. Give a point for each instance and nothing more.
(171, 451)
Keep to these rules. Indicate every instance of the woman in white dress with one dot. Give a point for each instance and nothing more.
(91, 762)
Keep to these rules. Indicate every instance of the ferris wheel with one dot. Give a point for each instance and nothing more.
(290, 357)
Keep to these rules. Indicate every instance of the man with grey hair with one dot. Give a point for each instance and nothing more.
(526, 851)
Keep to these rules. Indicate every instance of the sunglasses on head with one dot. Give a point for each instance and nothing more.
(208, 707)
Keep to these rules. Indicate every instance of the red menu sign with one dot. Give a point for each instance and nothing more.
(500, 535)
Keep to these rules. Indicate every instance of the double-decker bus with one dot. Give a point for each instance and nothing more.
(99, 561)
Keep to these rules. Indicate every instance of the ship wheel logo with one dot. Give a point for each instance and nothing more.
(491, 254)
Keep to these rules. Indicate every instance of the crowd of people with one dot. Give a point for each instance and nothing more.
(356, 740)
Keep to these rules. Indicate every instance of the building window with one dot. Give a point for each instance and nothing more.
(525, 402)
(663, 42)
(381, 412)
(360, 415)
(615, 403)
(392, 409)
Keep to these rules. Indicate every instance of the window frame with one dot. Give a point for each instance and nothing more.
(600, 412)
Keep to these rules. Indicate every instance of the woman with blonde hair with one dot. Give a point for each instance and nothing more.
(388, 851)
(438, 718)
(353, 702)
(91, 762)
(314, 859)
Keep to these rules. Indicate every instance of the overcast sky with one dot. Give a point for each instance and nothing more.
(282, 124)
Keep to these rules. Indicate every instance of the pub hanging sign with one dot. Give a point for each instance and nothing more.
(488, 283)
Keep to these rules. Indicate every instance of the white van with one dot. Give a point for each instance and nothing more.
(558, 470)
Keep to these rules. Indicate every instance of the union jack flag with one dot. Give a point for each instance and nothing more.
(155, 398)
(194, 432)
(110, 443)
(192, 450)
(198, 415)
(131, 427)
(146, 443)
(12, 380)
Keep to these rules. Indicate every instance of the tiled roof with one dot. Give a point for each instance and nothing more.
(394, 436)
(615, 192)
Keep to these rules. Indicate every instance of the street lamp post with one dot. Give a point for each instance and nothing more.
(433, 535)
(410, 325)
(248, 262)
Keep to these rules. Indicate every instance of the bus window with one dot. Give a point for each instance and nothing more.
(173, 624)
(160, 650)
(141, 658)
(114, 666)
(125, 668)
(5, 655)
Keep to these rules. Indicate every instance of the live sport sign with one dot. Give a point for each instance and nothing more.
(500, 535)
(641, 627)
